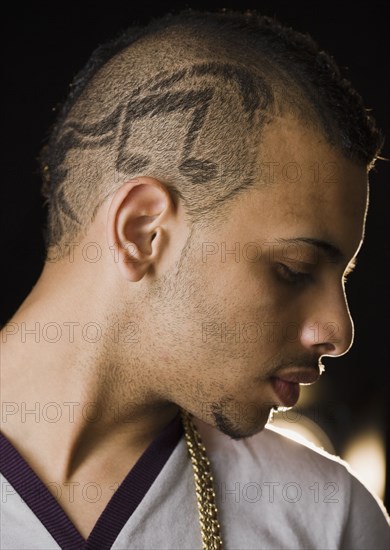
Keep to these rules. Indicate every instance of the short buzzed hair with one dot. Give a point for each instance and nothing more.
(185, 99)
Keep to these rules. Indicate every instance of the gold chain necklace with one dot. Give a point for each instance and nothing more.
(205, 494)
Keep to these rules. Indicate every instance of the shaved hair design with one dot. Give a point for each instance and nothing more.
(185, 99)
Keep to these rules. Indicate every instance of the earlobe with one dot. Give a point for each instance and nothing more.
(135, 237)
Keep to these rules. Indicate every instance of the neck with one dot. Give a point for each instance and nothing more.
(69, 403)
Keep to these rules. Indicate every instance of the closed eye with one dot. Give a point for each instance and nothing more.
(291, 276)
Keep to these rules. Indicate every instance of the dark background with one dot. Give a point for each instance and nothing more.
(46, 46)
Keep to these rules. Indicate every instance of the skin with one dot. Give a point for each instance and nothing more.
(178, 357)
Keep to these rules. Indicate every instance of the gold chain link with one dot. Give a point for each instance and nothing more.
(205, 495)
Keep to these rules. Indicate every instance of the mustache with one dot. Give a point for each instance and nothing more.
(307, 361)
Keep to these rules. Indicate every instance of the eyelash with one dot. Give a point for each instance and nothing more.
(293, 277)
(349, 270)
(300, 277)
(345, 276)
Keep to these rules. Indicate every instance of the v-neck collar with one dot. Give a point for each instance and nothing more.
(118, 510)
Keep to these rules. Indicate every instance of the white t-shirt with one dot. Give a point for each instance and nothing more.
(272, 493)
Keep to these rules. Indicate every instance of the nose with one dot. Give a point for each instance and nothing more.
(328, 326)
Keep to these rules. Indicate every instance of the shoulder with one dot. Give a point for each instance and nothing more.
(272, 476)
(273, 448)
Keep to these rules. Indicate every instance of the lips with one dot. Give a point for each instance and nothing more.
(287, 392)
(286, 383)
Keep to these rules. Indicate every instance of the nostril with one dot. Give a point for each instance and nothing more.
(329, 347)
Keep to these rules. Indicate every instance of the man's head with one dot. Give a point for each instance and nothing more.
(204, 133)
(186, 100)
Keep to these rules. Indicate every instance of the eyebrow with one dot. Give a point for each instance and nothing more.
(332, 252)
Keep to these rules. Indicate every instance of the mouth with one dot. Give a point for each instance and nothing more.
(286, 384)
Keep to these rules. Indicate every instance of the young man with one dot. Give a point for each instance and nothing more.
(170, 222)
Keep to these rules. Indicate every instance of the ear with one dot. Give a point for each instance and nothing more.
(135, 225)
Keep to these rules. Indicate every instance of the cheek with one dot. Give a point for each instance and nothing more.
(241, 309)
(219, 326)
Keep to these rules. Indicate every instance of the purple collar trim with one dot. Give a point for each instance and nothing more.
(118, 510)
